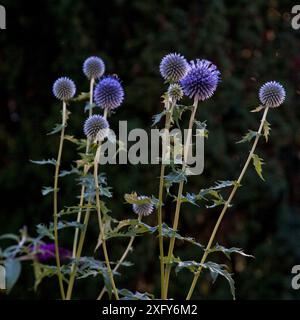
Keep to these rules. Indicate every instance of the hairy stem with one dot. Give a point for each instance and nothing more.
(159, 213)
(101, 227)
(178, 202)
(55, 206)
(127, 250)
(226, 205)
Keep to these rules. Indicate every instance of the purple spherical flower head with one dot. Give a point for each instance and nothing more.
(64, 89)
(201, 81)
(143, 209)
(96, 127)
(109, 93)
(93, 67)
(272, 94)
(173, 67)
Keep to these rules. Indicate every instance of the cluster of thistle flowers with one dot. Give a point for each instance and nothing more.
(197, 79)
(108, 95)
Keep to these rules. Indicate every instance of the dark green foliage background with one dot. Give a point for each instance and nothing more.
(250, 41)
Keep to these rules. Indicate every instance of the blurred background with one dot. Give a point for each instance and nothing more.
(251, 42)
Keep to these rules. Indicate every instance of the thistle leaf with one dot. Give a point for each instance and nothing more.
(47, 190)
(215, 270)
(43, 162)
(258, 162)
(248, 136)
(156, 118)
(133, 199)
(57, 128)
(229, 251)
(267, 129)
(128, 295)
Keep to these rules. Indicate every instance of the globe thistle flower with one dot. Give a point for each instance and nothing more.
(64, 89)
(173, 67)
(272, 94)
(144, 209)
(96, 127)
(175, 92)
(201, 81)
(109, 93)
(93, 67)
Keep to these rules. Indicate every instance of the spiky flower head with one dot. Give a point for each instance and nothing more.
(175, 92)
(64, 89)
(201, 81)
(109, 93)
(144, 209)
(272, 94)
(173, 67)
(93, 67)
(96, 127)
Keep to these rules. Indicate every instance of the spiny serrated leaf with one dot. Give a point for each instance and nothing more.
(128, 295)
(215, 270)
(73, 170)
(248, 136)
(176, 176)
(178, 110)
(132, 198)
(47, 231)
(266, 129)
(76, 209)
(229, 251)
(57, 128)
(43, 162)
(157, 117)
(258, 162)
(47, 190)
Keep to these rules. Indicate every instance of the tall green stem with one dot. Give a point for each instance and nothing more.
(226, 206)
(55, 206)
(101, 227)
(178, 202)
(86, 167)
(159, 214)
(127, 250)
(76, 253)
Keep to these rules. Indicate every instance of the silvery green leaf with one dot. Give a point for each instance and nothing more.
(12, 271)
(47, 190)
(229, 251)
(57, 128)
(43, 162)
(128, 295)
(248, 136)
